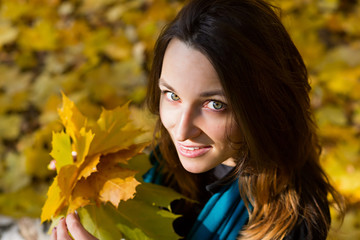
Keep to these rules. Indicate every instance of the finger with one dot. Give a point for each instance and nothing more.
(76, 229)
(74, 155)
(52, 165)
(62, 231)
(53, 234)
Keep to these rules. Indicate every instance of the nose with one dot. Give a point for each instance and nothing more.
(187, 126)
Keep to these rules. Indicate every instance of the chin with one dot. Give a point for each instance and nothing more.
(195, 168)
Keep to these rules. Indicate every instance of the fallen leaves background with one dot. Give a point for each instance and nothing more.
(99, 52)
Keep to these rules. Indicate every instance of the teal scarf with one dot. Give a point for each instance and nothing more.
(222, 217)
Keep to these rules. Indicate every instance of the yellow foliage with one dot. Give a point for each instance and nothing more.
(94, 176)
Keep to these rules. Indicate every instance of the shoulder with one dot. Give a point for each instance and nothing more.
(299, 232)
(315, 229)
(302, 231)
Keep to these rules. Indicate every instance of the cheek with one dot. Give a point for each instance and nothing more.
(225, 132)
(214, 128)
(219, 132)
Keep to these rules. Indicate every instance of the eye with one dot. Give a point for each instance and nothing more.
(216, 105)
(172, 96)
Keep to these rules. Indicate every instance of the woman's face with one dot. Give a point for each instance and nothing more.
(193, 109)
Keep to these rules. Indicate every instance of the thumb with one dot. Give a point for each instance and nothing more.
(76, 229)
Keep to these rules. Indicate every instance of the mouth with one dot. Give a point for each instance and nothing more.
(192, 151)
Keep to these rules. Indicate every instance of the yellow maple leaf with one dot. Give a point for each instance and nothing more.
(61, 152)
(89, 166)
(71, 117)
(107, 131)
(53, 203)
(95, 175)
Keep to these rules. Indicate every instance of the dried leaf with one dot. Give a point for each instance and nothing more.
(114, 184)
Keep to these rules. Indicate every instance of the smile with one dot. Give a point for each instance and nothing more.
(190, 148)
(192, 151)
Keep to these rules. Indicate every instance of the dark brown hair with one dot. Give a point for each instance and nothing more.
(266, 84)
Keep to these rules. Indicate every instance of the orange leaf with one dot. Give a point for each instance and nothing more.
(114, 184)
(116, 189)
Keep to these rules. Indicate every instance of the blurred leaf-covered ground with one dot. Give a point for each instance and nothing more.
(98, 52)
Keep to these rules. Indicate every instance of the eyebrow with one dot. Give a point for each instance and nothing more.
(162, 82)
(213, 93)
(203, 94)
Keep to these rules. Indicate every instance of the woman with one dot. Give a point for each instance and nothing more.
(231, 92)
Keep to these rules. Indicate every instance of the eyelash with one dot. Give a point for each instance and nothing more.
(170, 98)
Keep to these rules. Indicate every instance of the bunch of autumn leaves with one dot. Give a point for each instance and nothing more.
(96, 175)
(104, 182)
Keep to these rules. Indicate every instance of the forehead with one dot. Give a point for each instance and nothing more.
(184, 64)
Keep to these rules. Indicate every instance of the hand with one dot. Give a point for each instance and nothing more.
(71, 224)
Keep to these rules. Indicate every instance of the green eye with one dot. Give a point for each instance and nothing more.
(172, 96)
(217, 105)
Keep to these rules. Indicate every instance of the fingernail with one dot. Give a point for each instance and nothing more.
(52, 165)
(77, 215)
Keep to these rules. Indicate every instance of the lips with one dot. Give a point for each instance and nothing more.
(192, 151)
